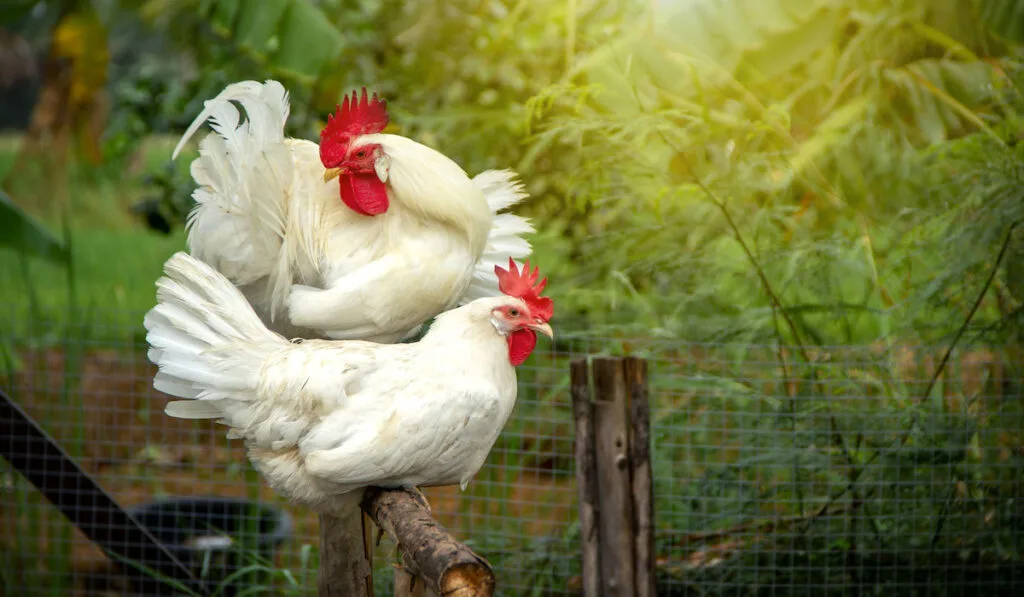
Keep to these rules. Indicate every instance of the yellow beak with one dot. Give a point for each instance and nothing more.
(332, 173)
(544, 329)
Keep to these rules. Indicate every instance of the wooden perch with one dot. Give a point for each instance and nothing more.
(428, 550)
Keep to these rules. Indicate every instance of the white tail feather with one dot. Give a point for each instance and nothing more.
(194, 409)
(502, 190)
(244, 172)
(206, 340)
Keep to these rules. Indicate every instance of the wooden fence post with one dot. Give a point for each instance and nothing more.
(642, 477)
(614, 476)
(586, 475)
(611, 453)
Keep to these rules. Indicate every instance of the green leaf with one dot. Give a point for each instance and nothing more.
(1005, 18)
(710, 44)
(257, 24)
(224, 14)
(12, 11)
(21, 232)
(293, 37)
(308, 40)
(802, 40)
(831, 132)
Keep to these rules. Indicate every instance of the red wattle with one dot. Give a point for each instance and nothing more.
(520, 345)
(364, 193)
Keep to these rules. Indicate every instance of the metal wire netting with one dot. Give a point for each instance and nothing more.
(774, 474)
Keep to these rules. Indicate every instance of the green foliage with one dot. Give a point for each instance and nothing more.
(450, 69)
(985, 175)
(847, 464)
(1004, 17)
(293, 36)
(15, 10)
(756, 168)
(645, 134)
(815, 172)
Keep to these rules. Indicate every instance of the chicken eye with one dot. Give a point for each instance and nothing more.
(361, 153)
(513, 312)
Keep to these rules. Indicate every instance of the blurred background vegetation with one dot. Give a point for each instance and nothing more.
(831, 171)
(808, 173)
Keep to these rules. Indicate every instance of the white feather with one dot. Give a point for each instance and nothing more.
(505, 240)
(199, 314)
(245, 173)
(309, 265)
(193, 410)
(321, 419)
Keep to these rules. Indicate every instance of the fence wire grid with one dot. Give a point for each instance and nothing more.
(773, 474)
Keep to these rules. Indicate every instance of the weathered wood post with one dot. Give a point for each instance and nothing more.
(345, 566)
(642, 478)
(613, 469)
(586, 475)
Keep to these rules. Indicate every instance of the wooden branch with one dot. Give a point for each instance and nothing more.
(611, 427)
(428, 550)
(641, 477)
(758, 527)
(586, 476)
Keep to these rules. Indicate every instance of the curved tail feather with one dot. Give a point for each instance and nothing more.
(502, 191)
(244, 172)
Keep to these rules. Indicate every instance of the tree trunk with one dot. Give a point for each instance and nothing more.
(72, 104)
(43, 148)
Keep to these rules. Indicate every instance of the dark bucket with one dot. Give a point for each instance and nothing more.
(217, 537)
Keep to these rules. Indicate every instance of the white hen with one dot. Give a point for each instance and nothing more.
(323, 418)
(364, 236)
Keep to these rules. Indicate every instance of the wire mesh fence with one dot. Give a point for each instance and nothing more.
(840, 470)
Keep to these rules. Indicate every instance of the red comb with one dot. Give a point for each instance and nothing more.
(358, 115)
(523, 285)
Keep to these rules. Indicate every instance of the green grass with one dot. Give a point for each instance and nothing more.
(97, 197)
(115, 258)
(8, 150)
(114, 271)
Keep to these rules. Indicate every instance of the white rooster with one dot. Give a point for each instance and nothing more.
(364, 236)
(323, 418)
